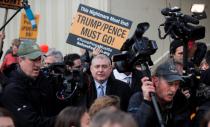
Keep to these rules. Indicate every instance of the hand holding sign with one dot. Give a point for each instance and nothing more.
(96, 51)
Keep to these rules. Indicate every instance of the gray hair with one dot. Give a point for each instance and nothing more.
(56, 54)
(102, 56)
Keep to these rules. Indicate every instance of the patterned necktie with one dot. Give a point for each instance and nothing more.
(101, 91)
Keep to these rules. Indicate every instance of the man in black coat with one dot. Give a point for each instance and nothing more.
(164, 83)
(29, 96)
(104, 84)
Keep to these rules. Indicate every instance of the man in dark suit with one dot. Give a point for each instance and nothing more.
(105, 84)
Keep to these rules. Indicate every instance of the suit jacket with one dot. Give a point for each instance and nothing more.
(114, 87)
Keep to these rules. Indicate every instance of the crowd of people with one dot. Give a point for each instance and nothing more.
(40, 88)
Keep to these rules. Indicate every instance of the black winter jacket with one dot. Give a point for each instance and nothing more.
(144, 113)
(31, 101)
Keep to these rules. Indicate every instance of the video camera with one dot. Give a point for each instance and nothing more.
(136, 50)
(178, 25)
(68, 82)
(187, 29)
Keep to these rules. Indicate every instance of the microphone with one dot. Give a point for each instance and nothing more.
(30, 16)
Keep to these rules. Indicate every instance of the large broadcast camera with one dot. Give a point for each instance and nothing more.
(135, 51)
(187, 29)
(180, 26)
(69, 83)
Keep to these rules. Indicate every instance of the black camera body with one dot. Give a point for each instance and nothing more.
(69, 83)
(185, 28)
(178, 25)
(136, 50)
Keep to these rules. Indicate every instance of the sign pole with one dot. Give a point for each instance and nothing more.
(3, 30)
(10, 18)
(5, 18)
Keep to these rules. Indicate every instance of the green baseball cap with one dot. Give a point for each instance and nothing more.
(29, 49)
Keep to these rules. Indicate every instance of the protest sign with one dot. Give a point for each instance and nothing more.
(94, 28)
(10, 4)
(26, 30)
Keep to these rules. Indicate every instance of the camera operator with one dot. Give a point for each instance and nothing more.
(187, 103)
(79, 75)
(135, 58)
(30, 95)
(176, 54)
(183, 97)
(73, 61)
(185, 28)
(165, 82)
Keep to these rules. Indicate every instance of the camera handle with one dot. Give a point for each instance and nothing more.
(146, 72)
(166, 33)
(185, 57)
(157, 110)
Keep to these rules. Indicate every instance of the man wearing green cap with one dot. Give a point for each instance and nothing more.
(164, 83)
(30, 95)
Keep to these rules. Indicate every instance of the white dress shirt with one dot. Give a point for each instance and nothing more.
(123, 77)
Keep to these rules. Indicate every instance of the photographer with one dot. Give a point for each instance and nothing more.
(135, 58)
(176, 54)
(186, 98)
(30, 95)
(185, 28)
(165, 83)
(77, 80)
(73, 61)
(183, 98)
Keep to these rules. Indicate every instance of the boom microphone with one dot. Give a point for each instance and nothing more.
(30, 15)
